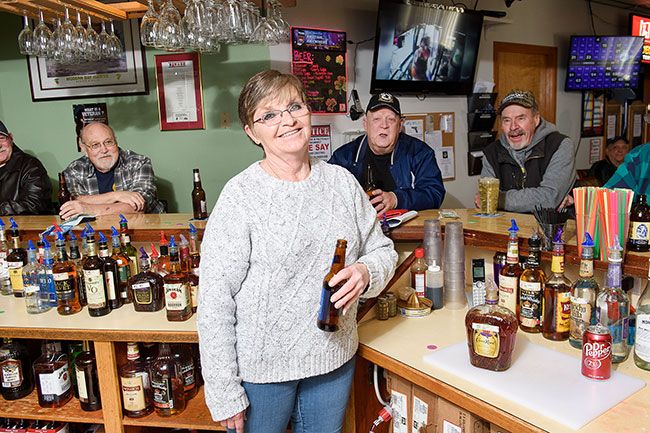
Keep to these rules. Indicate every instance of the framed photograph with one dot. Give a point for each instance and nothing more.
(124, 76)
(180, 94)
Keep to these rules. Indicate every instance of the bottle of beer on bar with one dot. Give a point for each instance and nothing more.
(369, 186)
(199, 205)
(639, 239)
(64, 194)
(328, 315)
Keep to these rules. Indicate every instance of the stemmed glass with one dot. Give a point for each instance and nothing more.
(80, 42)
(91, 48)
(147, 34)
(115, 44)
(26, 39)
(66, 40)
(42, 36)
(282, 28)
(168, 30)
(53, 51)
(104, 43)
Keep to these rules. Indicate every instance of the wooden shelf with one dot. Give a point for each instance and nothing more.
(29, 408)
(195, 416)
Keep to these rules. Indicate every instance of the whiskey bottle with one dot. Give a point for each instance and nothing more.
(195, 250)
(64, 194)
(328, 315)
(35, 301)
(75, 348)
(163, 260)
(64, 273)
(135, 383)
(531, 288)
(613, 305)
(192, 278)
(147, 288)
(52, 377)
(5, 282)
(509, 277)
(199, 205)
(154, 259)
(639, 238)
(46, 276)
(127, 248)
(177, 290)
(16, 259)
(167, 383)
(123, 266)
(110, 274)
(15, 371)
(369, 184)
(491, 333)
(642, 339)
(557, 296)
(75, 257)
(182, 353)
(87, 382)
(94, 278)
(583, 295)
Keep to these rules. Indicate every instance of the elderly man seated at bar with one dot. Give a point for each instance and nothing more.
(108, 179)
(25, 187)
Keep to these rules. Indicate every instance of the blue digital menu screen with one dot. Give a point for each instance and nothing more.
(603, 62)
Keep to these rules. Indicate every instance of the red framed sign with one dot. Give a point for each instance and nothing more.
(180, 94)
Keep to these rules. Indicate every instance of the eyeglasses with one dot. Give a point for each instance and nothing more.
(274, 117)
(106, 143)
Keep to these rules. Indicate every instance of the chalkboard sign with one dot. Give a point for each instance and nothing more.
(318, 59)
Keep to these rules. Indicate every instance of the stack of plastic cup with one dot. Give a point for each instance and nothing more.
(432, 242)
(454, 270)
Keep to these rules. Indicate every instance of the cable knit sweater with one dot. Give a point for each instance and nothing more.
(266, 248)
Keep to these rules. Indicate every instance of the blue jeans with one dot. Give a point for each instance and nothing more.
(314, 404)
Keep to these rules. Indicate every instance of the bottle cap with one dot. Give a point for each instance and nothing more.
(114, 231)
(13, 223)
(102, 238)
(83, 233)
(433, 267)
(89, 230)
(615, 252)
(30, 246)
(534, 241)
(513, 228)
(72, 236)
(143, 253)
(558, 236)
(2, 224)
(183, 240)
(163, 239)
(419, 253)
(192, 228)
(46, 245)
(154, 251)
(59, 236)
(172, 242)
(588, 242)
(123, 219)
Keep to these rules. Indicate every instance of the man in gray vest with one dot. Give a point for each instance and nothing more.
(535, 164)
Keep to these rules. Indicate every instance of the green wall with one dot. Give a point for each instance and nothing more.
(46, 129)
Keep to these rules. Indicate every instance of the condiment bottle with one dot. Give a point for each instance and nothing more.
(418, 273)
(434, 283)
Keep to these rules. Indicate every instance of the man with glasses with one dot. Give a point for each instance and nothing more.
(107, 179)
(25, 187)
(404, 168)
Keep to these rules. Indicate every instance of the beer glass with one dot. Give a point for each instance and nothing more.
(488, 189)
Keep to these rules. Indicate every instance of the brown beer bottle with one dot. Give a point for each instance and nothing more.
(199, 205)
(64, 194)
(370, 185)
(639, 239)
(328, 316)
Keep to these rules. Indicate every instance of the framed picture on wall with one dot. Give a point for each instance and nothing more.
(593, 111)
(125, 75)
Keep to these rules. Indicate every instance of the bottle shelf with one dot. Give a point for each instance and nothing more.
(195, 416)
(28, 407)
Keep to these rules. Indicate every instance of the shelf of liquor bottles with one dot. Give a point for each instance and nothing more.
(28, 407)
(492, 234)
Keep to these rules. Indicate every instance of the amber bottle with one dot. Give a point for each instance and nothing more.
(64, 272)
(328, 315)
(557, 296)
(639, 238)
(199, 205)
(531, 289)
(52, 377)
(369, 185)
(509, 278)
(87, 381)
(177, 288)
(64, 194)
(182, 353)
(147, 288)
(110, 274)
(167, 383)
(123, 266)
(135, 382)
(94, 279)
(16, 379)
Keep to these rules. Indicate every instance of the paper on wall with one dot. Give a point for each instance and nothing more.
(414, 128)
(433, 139)
(611, 126)
(320, 142)
(447, 123)
(595, 149)
(638, 121)
(445, 159)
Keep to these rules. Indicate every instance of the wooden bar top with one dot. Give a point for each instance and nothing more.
(491, 233)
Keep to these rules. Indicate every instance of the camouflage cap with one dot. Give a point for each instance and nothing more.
(523, 98)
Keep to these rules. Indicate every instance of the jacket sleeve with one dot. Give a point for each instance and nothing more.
(34, 192)
(427, 190)
(143, 181)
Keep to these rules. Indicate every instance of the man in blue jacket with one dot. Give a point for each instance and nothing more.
(403, 168)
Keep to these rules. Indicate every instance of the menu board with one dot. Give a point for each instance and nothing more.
(318, 59)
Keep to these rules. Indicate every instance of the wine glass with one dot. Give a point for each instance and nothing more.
(53, 50)
(91, 44)
(26, 39)
(168, 30)
(281, 27)
(80, 42)
(149, 20)
(104, 43)
(66, 40)
(115, 43)
(42, 35)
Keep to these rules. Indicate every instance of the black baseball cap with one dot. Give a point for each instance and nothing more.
(3, 129)
(384, 99)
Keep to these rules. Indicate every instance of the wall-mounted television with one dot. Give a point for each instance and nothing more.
(640, 26)
(424, 49)
(604, 62)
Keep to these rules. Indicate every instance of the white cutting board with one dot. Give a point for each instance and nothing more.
(542, 380)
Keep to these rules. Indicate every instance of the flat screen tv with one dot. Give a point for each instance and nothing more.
(604, 62)
(640, 26)
(423, 49)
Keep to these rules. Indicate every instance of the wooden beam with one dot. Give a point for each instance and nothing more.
(23, 7)
(133, 9)
(106, 10)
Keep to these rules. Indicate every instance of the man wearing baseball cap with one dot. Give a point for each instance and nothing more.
(534, 163)
(25, 187)
(404, 169)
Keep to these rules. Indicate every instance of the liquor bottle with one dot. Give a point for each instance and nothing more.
(509, 277)
(110, 274)
(147, 288)
(15, 372)
(639, 238)
(46, 276)
(135, 383)
(583, 295)
(16, 259)
(65, 281)
(167, 383)
(192, 278)
(35, 301)
(199, 205)
(163, 260)
(418, 273)
(328, 315)
(148, 355)
(94, 278)
(75, 257)
(642, 339)
(182, 353)
(127, 248)
(155, 265)
(557, 296)
(64, 194)
(369, 184)
(491, 332)
(531, 288)
(177, 291)
(87, 382)
(52, 377)
(123, 266)
(75, 348)
(613, 305)
(195, 249)
(40, 245)
(5, 282)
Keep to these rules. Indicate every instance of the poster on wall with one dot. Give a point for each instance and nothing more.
(84, 114)
(318, 59)
(320, 143)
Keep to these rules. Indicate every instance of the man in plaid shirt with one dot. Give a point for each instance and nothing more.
(107, 179)
(634, 173)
